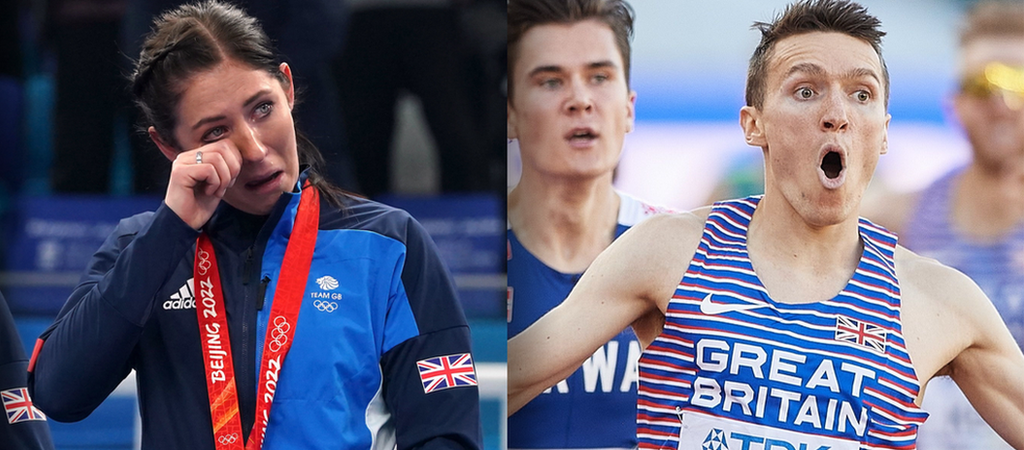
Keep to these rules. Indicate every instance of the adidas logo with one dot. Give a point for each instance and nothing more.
(185, 298)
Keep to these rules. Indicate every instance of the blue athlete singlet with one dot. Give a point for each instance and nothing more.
(733, 369)
(593, 408)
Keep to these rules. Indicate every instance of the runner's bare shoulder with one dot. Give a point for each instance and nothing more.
(676, 231)
(937, 284)
(943, 311)
(660, 248)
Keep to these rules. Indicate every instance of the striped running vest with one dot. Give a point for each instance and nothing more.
(735, 370)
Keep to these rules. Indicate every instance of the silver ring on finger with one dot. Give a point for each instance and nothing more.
(199, 157)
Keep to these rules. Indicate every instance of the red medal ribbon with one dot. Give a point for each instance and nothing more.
(284, 315)
(213, 331)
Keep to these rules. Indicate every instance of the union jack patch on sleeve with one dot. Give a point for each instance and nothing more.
(444, 372)
(860, 333)
(19, 407)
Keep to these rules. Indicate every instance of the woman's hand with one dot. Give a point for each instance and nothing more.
(198, 183)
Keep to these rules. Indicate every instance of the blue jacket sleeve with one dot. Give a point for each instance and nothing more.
(89, 348)
(29, 430)
(442, 418)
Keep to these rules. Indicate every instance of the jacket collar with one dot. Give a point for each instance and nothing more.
(239, 230)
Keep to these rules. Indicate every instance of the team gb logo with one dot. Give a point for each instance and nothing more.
(327, 282)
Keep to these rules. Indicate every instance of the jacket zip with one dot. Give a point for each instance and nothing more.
(262, 292)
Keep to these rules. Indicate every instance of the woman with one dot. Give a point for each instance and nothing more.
(258, 305)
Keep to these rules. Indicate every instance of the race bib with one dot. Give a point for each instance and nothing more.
(704, 432)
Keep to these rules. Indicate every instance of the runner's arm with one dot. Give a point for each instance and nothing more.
(87, 351)
(953, 329)
(631, 278)
(990, 371)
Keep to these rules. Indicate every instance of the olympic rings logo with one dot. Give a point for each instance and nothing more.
(228, 439)
(204, 261)
(325, 306)
(279, 335)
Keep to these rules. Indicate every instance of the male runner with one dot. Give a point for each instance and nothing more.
(972, 218)
(785, 321)
(570, 107)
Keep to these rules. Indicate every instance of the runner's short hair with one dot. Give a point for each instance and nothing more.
(806, 16)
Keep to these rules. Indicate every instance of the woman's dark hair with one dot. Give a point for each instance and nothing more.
(196, 37)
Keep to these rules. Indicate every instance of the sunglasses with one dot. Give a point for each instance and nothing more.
(997, 79)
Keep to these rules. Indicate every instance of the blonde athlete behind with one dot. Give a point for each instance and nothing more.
(785, 321)
(570, 108)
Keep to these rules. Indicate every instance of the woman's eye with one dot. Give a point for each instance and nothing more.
(264, 108)
(214, 134)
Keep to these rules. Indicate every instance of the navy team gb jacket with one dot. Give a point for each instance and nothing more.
(378, 303)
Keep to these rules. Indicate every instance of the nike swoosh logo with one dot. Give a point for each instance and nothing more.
(709, 307)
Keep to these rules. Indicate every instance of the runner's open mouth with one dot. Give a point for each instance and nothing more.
(832, 165)
(581, 134)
